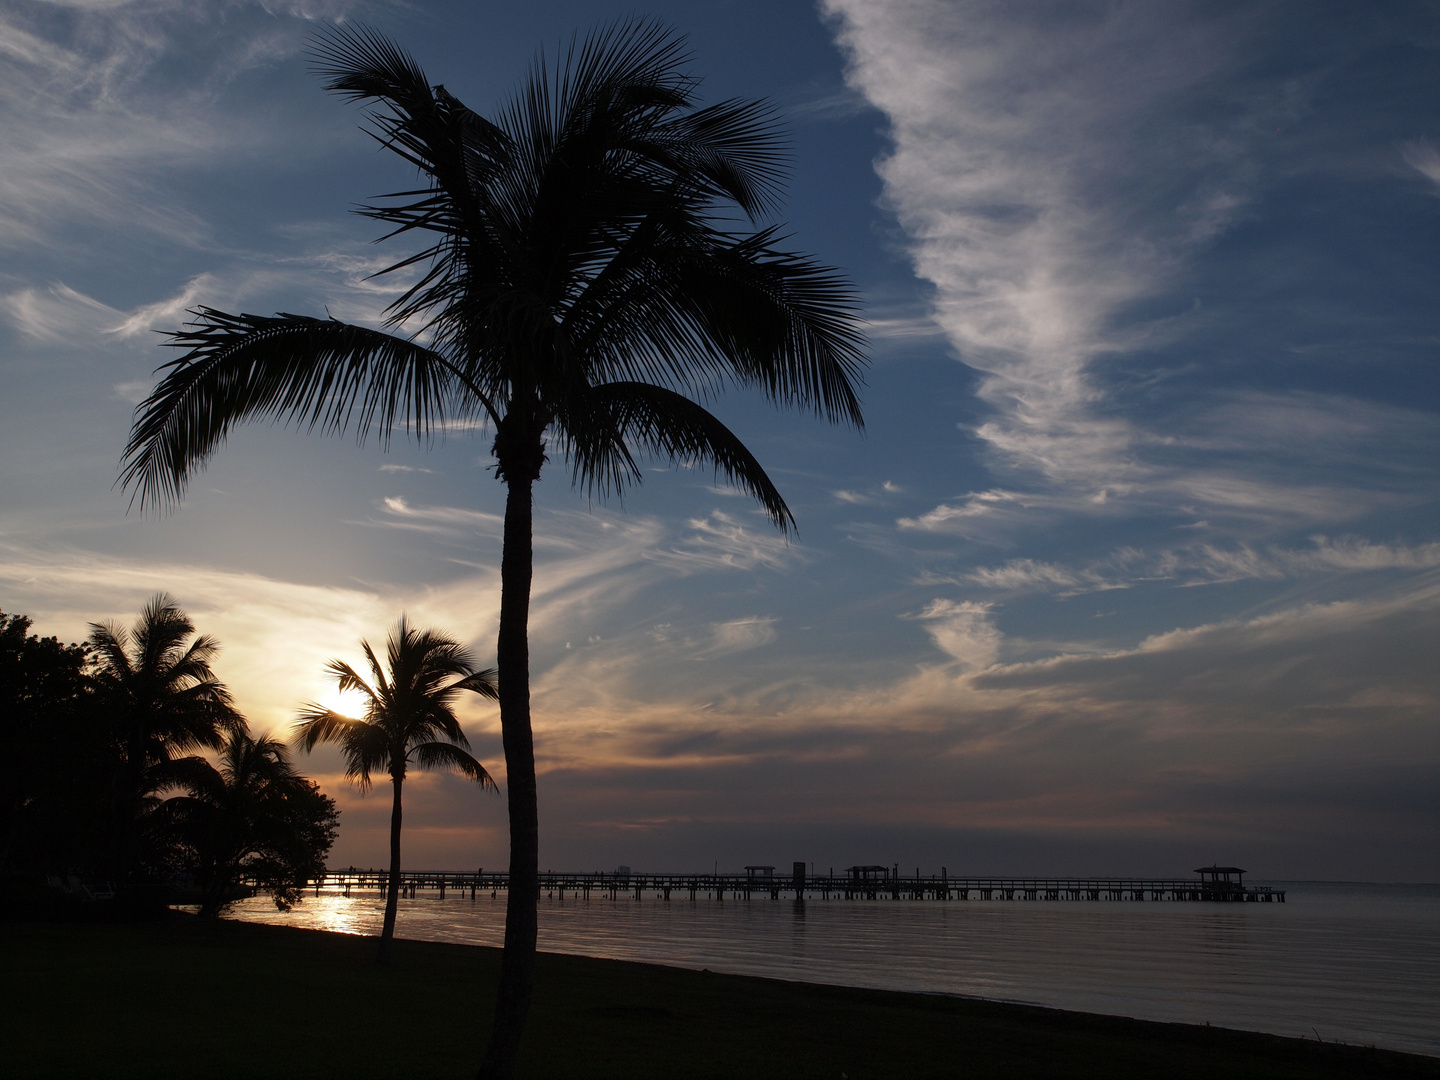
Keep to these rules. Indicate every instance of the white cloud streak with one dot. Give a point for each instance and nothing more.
(1014, 135)
(965, 631)
(739, 636)
(94, 127)
(1054, 167)
(1203, 564)
(1424, 159)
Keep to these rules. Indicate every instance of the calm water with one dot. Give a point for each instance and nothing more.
(1354, 963)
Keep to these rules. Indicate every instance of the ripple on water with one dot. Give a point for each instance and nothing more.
(1354, 963)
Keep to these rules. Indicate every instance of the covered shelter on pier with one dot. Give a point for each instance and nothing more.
(1217, 880)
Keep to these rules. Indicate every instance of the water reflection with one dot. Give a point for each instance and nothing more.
(797, 928)
(1360, 964)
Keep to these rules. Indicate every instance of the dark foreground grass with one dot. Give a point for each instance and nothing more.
(184, 998)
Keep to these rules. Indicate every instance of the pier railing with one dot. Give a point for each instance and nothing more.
(827, 887)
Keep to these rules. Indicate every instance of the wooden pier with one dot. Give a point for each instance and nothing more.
(860, 883)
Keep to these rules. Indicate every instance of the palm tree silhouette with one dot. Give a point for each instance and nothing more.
(162, 700)
(254, 814)
(586, 281)
(409, 718)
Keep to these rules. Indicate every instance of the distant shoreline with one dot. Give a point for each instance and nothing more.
(311, 1003)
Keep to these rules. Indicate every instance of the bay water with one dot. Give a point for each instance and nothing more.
(1353, 963)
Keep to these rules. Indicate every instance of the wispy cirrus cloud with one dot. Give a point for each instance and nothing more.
(1242, 460)
(964, 630)
(1061, 177)
(721, 541)
(324, 280)
(97, 126)
(57, 314)
(1424, 159)
(738, 636)
(1200, 564)
(1014, 140)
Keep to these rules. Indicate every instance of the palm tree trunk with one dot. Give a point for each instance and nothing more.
(392, 891)
(517, 965)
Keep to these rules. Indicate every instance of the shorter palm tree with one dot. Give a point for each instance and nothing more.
(162, 700)
(254, 816)
(409, 718)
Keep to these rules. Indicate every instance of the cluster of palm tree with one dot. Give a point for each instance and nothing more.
(133, 803)
(251, 815)
(163, 701)
(584, 282)
(135, 707)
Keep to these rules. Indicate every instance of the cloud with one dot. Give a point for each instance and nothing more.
(324, 279)
(1060, 179)
(964, 631)
(1242, 459)
(77, 150)
(720, 541)
(1202, 564)
(98, 124)
(1015, 140)
(738, 636)
(1306, 714)
(988, 516)
(276, 635)
(56, 314)
(839, 104)
(1423, 158)
(1023, 575)
(448, 519)
(1324, 669)
(169, 313)
(903, 328)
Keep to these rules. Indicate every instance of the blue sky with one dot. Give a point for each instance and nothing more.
(1136, 567)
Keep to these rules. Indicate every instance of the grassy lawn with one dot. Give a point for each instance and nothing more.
(183, 998)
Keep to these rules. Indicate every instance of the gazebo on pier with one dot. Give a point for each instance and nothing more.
(1216, 883)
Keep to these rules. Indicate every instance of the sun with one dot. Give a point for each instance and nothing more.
(345, 702)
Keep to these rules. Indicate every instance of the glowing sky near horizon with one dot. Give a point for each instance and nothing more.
(1136, 568)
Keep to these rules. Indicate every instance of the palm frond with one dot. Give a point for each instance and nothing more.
(670, 425)
(691, 308)
(195, 774)
(110, 644)
(377, 672)
(442, 755)
(482, 683)
(316, 724)
(318, 372)
(349, 679)
(160, 633)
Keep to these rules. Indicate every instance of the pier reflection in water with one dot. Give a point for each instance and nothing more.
(1354, 963)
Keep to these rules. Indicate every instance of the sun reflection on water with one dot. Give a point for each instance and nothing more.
(1360, 964)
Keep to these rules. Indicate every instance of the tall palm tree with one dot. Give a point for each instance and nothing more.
(254, 815)
(586, 281)
(162, 700)
(409, 718)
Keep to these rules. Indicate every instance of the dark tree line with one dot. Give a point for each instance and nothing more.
(106, 791)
